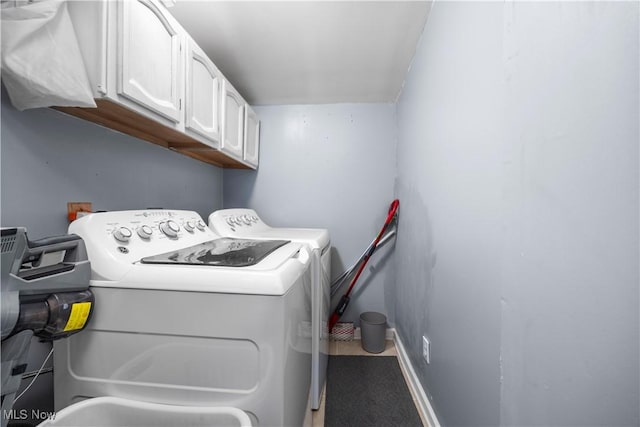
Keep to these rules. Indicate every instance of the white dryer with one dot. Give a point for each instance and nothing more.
(246, 223)
(188, 318)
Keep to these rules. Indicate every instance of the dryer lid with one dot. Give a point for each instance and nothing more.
(224, 252)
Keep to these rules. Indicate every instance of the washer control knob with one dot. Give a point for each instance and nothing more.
(144, 231)
(201, 225)
(122, 234)
(189, 226)
(246, 219)
(231, 221)
(170, 228)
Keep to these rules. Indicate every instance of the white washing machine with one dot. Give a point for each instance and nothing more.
(246, 223)
(185, 317)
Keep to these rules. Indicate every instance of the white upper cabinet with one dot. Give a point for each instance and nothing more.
(251, 137)
(132, 50)
(204, 85)
(232, 121)
(152, 81)
(149, 54)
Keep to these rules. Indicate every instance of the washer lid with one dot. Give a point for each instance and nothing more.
(224, 252)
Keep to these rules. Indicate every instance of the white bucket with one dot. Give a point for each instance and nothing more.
(117, 412)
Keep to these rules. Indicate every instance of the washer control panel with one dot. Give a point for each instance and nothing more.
(158, 224)
(240, 220)
(132, 235)
(236, 222)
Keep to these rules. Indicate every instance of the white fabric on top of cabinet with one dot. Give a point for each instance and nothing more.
(41, 62)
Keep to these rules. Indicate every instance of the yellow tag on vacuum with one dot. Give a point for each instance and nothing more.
(79, 315)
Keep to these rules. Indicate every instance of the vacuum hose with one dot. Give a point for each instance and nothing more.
(59, 315)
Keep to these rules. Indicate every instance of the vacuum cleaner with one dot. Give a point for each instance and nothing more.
(44, 293)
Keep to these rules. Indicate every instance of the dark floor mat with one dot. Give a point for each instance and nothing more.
(368, 391)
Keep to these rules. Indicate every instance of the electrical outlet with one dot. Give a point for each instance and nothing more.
(426, 349)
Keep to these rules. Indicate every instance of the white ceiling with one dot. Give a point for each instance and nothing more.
(308, 52)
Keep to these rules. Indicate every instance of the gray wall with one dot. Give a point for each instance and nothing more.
(447, 253)
(570, 297)
(49, 159)
(518, 251)
(327, 166)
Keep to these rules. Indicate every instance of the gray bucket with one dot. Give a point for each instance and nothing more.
(373, 327)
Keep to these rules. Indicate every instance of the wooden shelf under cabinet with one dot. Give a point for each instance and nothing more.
(116, 117)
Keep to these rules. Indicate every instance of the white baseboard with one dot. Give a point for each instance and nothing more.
(414, 383)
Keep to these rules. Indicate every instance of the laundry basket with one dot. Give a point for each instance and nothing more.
(117, 412)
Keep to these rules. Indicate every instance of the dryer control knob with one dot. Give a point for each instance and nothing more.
(170, 228)
(144, 231)
(189, 226)
(201, 225)
(122, 234)
(231, 221)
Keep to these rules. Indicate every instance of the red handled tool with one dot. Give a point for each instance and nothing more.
(344, 301)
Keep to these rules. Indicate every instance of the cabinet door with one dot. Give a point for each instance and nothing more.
(149, 58)
(251, 137)
(232, 121)
(203, 95)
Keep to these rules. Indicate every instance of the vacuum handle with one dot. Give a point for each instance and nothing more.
(55, 240)
(50, 244)
(342, 305)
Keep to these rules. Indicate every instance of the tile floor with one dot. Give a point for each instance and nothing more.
(354, 348)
